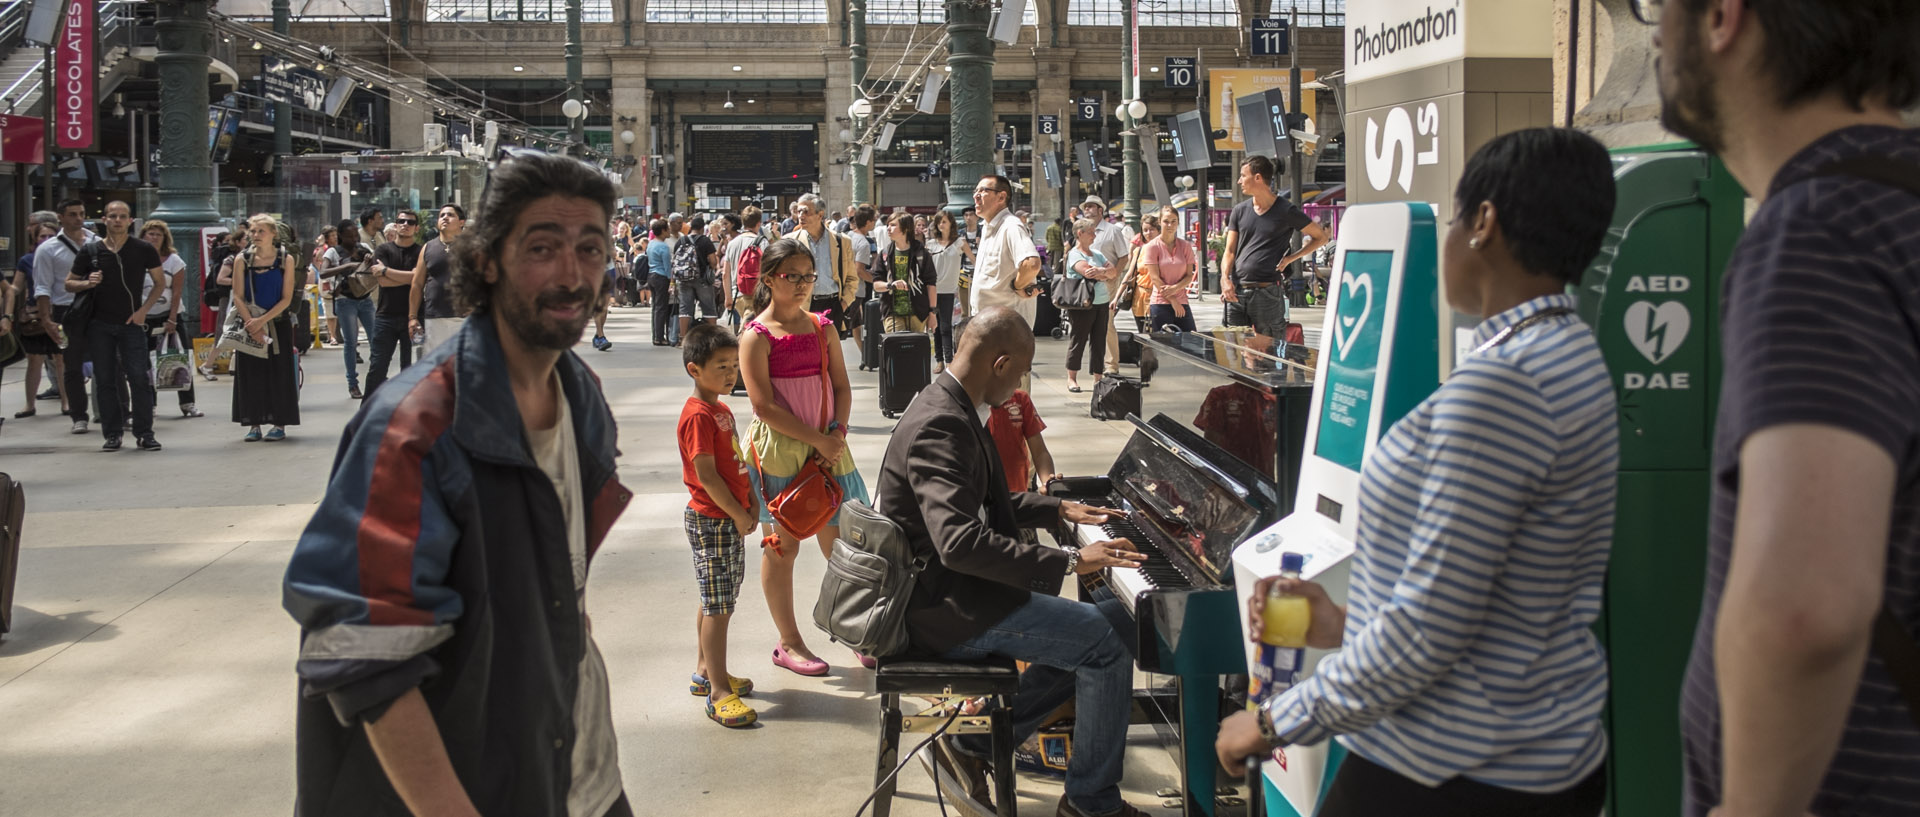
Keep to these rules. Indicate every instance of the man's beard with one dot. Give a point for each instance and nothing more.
(1687, 106)
(528, 322)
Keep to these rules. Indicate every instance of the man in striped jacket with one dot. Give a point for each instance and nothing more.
(446, 664)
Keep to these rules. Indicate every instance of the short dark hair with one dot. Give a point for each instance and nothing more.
(1552, 193)
(697, 224)
(65, 203)
(416, 215)
(658, 228)
(368, 215)
(1861, 48)
(862, 216)
(1260, 166)
(967, 209)
(347, 227)
(514, 184)
(732, 220)
(459, 211)
(704, 341)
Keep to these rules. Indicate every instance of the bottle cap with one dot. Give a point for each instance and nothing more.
(1292, 562)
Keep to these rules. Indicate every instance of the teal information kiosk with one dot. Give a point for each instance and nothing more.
(1379, 357)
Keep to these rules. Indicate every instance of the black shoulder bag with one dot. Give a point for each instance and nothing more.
(1891, 641)
(80, 312)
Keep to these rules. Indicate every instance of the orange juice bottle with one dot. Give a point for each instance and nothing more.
(1283, 637)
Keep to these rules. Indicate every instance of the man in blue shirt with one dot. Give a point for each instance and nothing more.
(659, 278)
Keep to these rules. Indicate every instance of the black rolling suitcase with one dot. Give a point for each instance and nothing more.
(1046, 316)
(1129, 349)
(13, 509)
(906, 367)
(1115, 397)
(873, 319)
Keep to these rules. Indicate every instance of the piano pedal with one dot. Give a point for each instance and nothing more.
(1167, 792)
(1226, 791)
(1232, 802)
(1173, 804)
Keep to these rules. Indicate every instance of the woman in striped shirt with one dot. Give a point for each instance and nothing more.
(1470, 682)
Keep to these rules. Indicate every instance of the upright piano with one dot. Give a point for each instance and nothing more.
(1242, 391)
(1185, 504)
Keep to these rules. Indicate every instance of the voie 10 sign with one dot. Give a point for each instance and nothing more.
(1180, 72)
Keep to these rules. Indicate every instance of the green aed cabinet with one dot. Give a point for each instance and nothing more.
(1653, 298)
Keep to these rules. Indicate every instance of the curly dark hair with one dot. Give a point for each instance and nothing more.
(515, 183)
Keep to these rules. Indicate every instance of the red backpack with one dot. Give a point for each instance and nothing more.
(747, 275)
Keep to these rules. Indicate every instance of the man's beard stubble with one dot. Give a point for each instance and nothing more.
(1687, 106)
(527, 323)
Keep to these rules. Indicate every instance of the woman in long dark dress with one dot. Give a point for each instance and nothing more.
(266, 391)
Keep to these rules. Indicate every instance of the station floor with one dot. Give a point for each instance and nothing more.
(150, 666)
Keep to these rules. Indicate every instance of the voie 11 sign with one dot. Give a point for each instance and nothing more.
(1271, 36)
(1180, 72)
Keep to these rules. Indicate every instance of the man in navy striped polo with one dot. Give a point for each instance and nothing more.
(1790, 707)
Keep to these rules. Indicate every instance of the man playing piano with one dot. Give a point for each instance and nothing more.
(984, 591)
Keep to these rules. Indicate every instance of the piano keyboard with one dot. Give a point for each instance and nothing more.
(1155, 572)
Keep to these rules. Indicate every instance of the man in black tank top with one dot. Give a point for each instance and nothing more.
(432, 312)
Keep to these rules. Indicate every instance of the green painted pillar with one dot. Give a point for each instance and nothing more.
(857, 53)
(1131, 166)
(577, 126)
(970, 127)
(184, 43)
(282, 111)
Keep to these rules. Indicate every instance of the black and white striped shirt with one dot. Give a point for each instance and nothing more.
(1820, 306)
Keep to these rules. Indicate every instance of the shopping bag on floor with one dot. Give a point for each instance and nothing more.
(172, 365)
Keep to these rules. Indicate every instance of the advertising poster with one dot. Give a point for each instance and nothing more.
(23, 139)
(74, 75)
(1224, 85)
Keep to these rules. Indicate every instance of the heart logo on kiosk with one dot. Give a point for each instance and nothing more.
(1347, 326)
(1657, 331)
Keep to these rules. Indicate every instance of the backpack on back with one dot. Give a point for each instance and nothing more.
(868, 583)
(747, 276)
(686, 261)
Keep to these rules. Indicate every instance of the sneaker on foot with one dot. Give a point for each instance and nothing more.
(49, 394)
(276, 434)
(112, 444)
(253, 436)
(190, 411)
(354, 392)
(79, 426)
(148, 443)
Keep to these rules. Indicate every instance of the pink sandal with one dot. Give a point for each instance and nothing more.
(799, 666)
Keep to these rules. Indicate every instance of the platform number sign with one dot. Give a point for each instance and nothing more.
(1179, 72)
(1049, 125)
(1086, 109)
(1003, 141)
(1271, 37)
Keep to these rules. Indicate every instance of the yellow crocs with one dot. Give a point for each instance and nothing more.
(699, 687)
(731, 712)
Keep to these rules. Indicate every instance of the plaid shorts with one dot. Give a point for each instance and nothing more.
(719, 561)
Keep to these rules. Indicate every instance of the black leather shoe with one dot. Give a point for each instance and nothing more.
(1068, 809)
(970, 771)
(112, 444)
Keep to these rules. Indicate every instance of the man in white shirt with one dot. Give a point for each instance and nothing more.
(52, 260)
(1006, 262)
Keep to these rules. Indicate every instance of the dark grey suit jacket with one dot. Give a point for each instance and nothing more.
(942, 482)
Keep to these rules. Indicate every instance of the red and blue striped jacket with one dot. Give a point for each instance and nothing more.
(438, 559)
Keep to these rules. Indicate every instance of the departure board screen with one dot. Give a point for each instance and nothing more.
(753, 153)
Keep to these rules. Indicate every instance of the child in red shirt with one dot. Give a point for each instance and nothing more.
(1015, 427)
(720, 511)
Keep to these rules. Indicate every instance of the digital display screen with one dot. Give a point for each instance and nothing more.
(1328, 508)
(1353, 357)
(1192, 150)
(753, 153)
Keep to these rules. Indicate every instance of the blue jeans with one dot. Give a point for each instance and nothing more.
(353, 313)
(1074, 653)
(120, 350)
(1161, 315)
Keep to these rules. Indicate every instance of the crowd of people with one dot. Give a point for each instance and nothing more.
(447, 663)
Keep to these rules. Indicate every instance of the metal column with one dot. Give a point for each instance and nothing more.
(970, 128)
(185, 41)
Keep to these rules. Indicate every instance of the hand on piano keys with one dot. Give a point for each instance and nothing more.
(1107, 553)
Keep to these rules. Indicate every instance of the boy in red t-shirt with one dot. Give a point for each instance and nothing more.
(1015, 427)
(719, 513)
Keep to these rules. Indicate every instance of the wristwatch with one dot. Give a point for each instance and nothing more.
(1073, 561)
(1266, 726)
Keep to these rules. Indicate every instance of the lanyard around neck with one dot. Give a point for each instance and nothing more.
(1507, 334)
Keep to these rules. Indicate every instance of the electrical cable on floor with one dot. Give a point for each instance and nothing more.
(938, 795)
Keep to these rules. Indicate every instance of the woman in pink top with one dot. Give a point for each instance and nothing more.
(780, 360)
(1169, 265)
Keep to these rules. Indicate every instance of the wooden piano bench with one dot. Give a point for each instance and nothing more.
(950, 684)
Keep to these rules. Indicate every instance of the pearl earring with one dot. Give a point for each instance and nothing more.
(1473, 243)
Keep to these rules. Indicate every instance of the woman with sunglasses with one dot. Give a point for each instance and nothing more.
(780, 360)
(266, 390)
